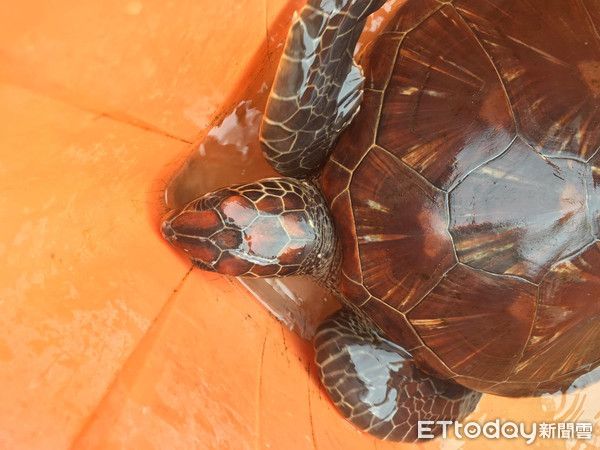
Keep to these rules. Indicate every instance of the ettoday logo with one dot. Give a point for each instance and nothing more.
(508, 430)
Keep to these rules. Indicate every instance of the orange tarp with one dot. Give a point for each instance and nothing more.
(107, 338)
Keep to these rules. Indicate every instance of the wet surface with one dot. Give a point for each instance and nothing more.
(230, 153)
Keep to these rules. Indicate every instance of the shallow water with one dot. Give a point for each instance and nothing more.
(230, 153)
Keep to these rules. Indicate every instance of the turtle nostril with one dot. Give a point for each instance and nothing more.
(166, 229)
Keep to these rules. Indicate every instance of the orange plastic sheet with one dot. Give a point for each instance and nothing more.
(108, 338)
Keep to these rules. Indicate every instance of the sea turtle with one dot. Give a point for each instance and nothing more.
(457, 216)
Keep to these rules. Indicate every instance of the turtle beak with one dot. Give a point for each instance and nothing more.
(200, 233)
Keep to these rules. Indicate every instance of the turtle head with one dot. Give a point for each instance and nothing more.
(274, 227)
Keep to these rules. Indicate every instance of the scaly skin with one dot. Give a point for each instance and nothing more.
(272, 227)
(377, 387)
(318, 87)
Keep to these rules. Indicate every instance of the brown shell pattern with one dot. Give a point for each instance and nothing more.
(467, 190)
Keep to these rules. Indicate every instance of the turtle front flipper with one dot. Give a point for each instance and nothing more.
(377, 387)
(318, 87)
